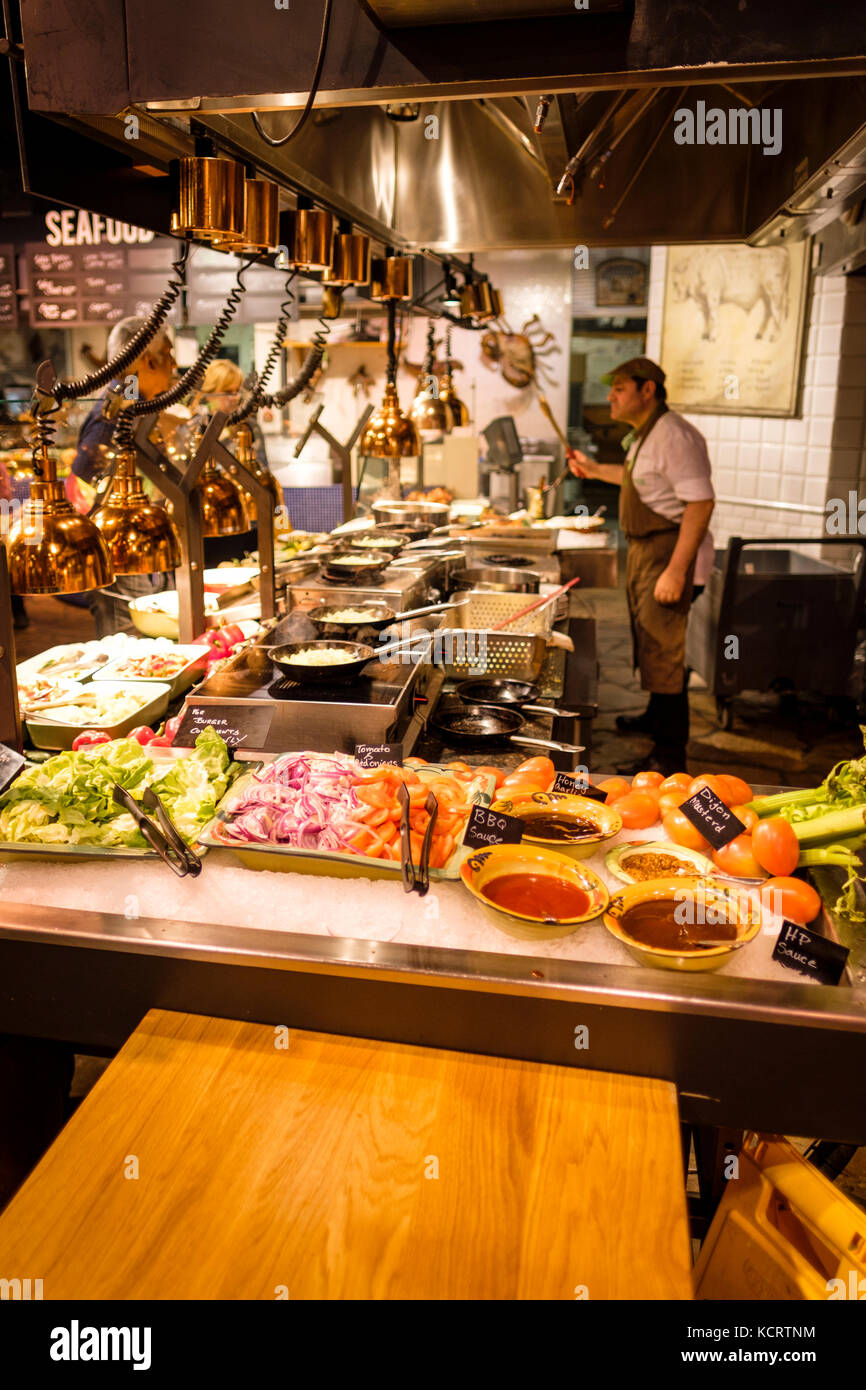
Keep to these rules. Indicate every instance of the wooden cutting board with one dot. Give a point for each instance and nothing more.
(212, 1161)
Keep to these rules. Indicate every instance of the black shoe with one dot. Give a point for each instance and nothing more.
(657, 761)
(634, 723)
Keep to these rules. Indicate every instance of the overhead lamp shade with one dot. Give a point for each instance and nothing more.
(312, 239)
(222, 507)
(351, 262)
(469, 301)
(497, 303)
(431, 413)
(391, 278)
(261, 219)
(52, 549)
(139, 533)
(390, 433)
(208, 198)
(487, 307)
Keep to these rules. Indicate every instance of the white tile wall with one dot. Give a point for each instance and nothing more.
(762, 461)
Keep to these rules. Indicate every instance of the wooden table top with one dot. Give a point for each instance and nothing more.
(211, 1161)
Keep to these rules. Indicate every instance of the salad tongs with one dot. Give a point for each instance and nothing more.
(415, 881)
(170, 847)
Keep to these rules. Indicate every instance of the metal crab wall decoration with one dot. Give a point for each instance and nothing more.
(519, 356)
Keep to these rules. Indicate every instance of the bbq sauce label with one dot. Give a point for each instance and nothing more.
(810, 954)
(486, 827)
(377, 754)
(712, 818)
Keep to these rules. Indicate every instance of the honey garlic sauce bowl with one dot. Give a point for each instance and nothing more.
(486, 867)
(564, 806)
(703, 903)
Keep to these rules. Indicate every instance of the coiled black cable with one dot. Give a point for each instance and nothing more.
(296, 129)
(309, 367)
(83, 386)
(123, 433)
(255, 396)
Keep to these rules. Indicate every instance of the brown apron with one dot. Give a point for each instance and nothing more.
(658, 629)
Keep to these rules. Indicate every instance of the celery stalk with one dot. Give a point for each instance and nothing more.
(832, 827)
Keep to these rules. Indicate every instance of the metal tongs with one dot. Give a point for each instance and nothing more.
(165, 839)
(416, 881)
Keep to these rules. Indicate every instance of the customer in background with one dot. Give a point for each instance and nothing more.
(153, 371)
(221, 391)
(666, 501)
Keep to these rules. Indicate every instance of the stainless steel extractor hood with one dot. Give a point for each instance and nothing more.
(470, 172)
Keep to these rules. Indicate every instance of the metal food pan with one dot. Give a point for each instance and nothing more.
(484, 609)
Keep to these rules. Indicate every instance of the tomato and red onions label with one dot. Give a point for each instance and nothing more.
(805, 951)
(712, 818)
(379, 754)
(486, 827)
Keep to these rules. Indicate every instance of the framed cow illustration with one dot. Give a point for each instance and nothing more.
(733, 328)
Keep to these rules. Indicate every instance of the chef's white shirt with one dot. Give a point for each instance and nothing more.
(673, 468)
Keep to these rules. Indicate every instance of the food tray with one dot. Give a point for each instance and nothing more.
(334, 863)
(50, 734)
(16, 850)
(187, 676)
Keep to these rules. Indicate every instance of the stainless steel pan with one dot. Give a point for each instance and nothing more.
(484, 724)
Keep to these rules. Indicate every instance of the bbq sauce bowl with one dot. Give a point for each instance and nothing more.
(532, 893)
(559, 821)
(661, 922)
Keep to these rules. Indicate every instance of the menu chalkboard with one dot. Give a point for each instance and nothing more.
(810, 954)
(569, 785)
(8, 297)
(486, 827)
(712, 818)
(377, 754)
(11, 763)
(247, 725)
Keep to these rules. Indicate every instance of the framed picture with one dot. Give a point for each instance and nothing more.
(621, 281)
(733, 328)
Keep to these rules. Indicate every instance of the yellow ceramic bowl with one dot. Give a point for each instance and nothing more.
(485, 865)
(605, 818)
(704, 895)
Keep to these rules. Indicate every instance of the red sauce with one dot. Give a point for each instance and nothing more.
(538, 895)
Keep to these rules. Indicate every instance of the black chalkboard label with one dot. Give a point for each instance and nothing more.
(243, 726)
(712, 818)
(11, 763)
(486, 827)
(376, 754)
(566, 783)
(809, 954)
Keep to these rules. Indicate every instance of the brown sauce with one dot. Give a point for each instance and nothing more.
(655, 924)
(538, 895)
(546, 825)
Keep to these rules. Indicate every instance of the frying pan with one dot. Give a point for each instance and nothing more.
(338, 573)
(514, 694)
(385, 541)
(314, 675)
(483, 724)
(383, 615)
